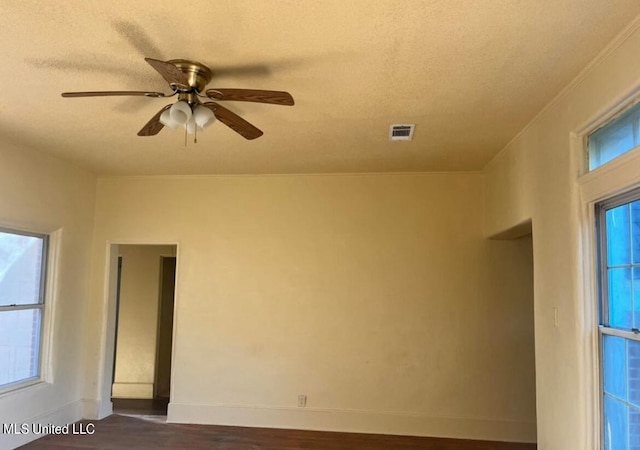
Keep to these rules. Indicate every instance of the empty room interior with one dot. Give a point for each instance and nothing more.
(379, 218)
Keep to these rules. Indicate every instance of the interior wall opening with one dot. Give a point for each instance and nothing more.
(145, 287)
(516, 279)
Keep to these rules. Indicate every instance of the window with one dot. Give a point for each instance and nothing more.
(23, 259)
(615, 138)
(618, 223)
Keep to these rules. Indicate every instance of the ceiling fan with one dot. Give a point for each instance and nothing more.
(188, 80)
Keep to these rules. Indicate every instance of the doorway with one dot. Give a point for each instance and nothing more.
(145, 288)
(162, 385)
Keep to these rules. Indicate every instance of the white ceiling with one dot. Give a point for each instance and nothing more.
(469, 73)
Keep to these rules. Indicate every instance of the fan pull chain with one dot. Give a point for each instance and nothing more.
(195, 137)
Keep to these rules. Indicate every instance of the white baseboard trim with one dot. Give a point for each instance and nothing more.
(16, 437)
(96, 409)
(354, 421)
(132, 390)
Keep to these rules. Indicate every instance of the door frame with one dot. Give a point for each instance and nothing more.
(159, 327)
(107, 357)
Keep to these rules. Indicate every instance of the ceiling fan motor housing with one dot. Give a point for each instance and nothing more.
(198, 75)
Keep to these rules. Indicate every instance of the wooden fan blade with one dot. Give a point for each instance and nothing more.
(234, 121)
(154, 126)
(112, 93)
(251, 95)
(169, 72)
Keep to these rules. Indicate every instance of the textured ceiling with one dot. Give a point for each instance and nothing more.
(469, 73)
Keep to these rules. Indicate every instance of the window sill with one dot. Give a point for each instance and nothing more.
(20, 386)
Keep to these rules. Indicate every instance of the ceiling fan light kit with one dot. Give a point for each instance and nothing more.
(180, 112)
(187, 80)
(192, 118)
(203, 116)
(167, 121)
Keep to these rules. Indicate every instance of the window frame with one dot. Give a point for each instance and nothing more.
(40, 305)
(602, 290)
(593, 186)
(590, 146)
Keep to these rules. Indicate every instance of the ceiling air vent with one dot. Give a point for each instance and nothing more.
(401, 132)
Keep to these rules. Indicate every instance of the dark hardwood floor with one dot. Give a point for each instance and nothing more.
(156, 406)
(129, 432)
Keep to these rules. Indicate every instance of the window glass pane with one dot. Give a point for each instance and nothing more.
(633, 371)
(614, 139)
(634, 428)
(20, 268)
(19, 345)
(619, 297)
(636, 297)
(618, 246)
(615, 424)
(610, 142)
(635, 231)
(615, 366)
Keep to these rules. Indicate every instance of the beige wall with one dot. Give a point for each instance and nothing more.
(375, 296)
(535, 177)
(138, 319)
(43, 194)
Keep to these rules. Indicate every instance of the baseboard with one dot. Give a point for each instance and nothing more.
(132, 390)
(96, 409)
(10, 439)
(354, 421)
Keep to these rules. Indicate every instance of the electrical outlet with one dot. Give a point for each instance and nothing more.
(302, 401)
